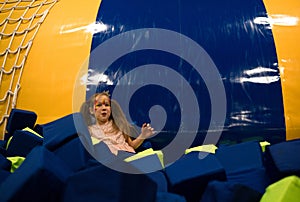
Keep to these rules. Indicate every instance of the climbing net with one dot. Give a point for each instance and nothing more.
(20, 21)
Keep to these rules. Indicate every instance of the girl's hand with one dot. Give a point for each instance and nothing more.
(147, 131)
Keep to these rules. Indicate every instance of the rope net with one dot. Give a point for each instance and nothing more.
(20, 21)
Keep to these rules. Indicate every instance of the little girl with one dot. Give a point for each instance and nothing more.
(108, 124)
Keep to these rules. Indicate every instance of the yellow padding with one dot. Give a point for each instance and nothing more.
(145, 153)
(210, 148)
(32, 131)
(16, 161)
(264, 145)
(8, 142)
(95, 140)
(284, 190)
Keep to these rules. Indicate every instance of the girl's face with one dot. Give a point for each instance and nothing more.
(102, 108)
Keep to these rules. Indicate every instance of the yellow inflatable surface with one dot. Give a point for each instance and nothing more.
(59, 50)
(286, 29)
(45, 45)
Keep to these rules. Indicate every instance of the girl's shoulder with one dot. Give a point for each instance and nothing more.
(93, 127)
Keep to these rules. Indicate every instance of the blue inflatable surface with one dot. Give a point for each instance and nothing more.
(157, 81)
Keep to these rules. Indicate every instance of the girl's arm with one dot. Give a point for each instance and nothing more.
(147, 131)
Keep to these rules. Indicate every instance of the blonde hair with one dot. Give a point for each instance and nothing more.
(117, 115)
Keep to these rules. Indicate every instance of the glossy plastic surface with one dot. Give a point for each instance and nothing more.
(253, 44)
(239, 40)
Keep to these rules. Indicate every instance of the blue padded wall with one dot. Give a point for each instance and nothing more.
(241, 47)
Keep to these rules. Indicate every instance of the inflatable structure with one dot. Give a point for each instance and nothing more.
(243, 83)
(218, 81)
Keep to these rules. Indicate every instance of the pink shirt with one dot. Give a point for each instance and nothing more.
(111, 136)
